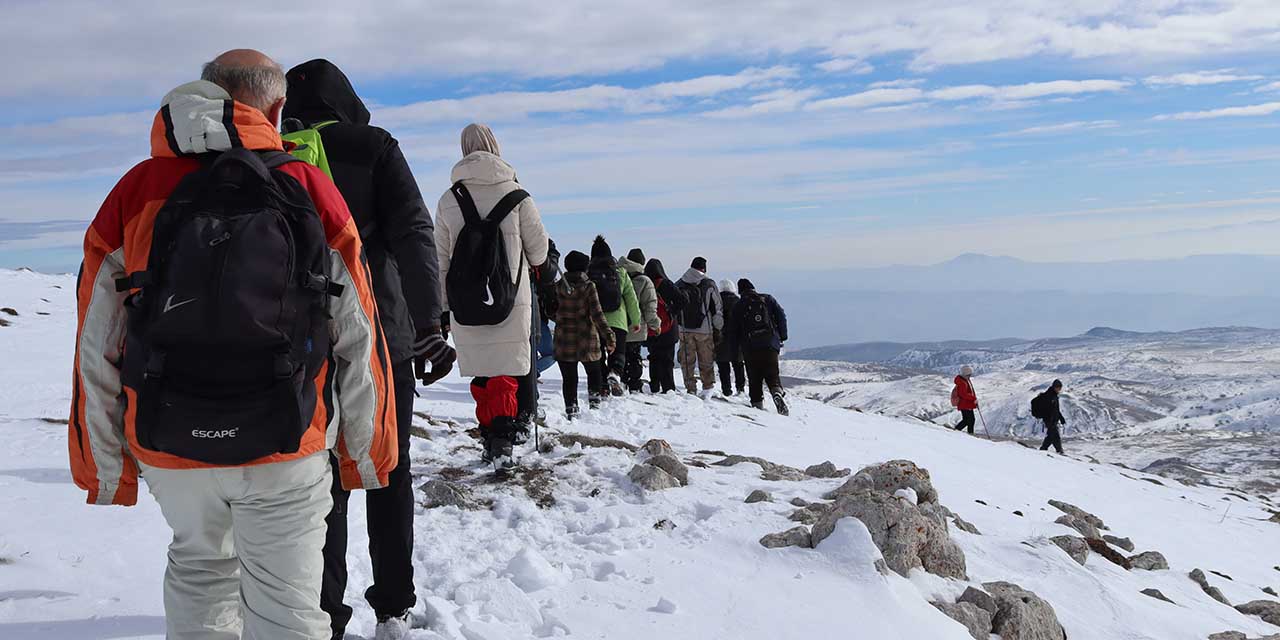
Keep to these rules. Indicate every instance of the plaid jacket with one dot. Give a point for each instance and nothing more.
(580, 322)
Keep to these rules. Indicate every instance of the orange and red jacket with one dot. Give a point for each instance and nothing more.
(356, 417)
(965, 394)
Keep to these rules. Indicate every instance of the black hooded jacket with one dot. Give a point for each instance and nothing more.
(375, 180)
(671, 295)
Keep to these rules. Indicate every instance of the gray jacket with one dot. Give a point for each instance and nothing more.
(711, 307)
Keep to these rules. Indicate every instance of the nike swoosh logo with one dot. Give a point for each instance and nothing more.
(170, 306)
(488, 295)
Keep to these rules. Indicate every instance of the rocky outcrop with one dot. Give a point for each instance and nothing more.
(799, 502)
(1075, 547)
(442, 493)
(974, 618)
(1268, 610)
(1022, 615)
(1077, 512)
(981, 599)
(672, 465)
(826, 470)
(1118, 542)
(768, 470)
(906, 537)
(1199, 578)
(651, 478)
(794, 537)
(759, 495)
(1100, 547)
(811, 513)
(656, 447)
(1155, 593)
(888, 477)
(1149, 561)
(1082, 526)
(570, 439)
(659, 468)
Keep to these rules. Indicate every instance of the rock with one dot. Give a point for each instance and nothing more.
(570, 439)
(965, 525)
(1269, 591)
(652, 478)
(799, 502)
(657, 447)
(769, 470)
(982, 599)
(973, 617)
(442, 493)
(1268, 610)
(1119, 543)
(664, 525)
(888, 477)
(931, 510)
(1155, 593)
(1022, 614)
(810, 513)
(1082, 526)
(664, 606)
(1228, 635)
(1275, 517)
(1018, 513)
(1176, 469)
(1149, 561)
(1100, 547)
(905, 536)
(1075, 547)
(826, 470)
(759, 495)
(1081, 514)
(794, 537)
(9, 311)
(907, 494)
(1197, 576)
(672, 465)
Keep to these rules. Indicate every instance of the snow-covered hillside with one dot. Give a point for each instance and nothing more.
(573, 547)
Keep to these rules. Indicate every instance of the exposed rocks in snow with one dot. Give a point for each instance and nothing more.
(1176, 469)
(1149, 561)
(1084, 528)
(1075, 547)
(651, 478)
(1022, 614)
(1269, 591)
(769, 470)
(1275, 517)
(759, 495)
(1268, 610)
(964, 525)
(1118, 542)
(570, 439)
(826, 470)
(1221, 575)
(973, 617)
(672, 465)
(1155, 593)
(1100, 547)
(657, 447)
(1198, 577)
(799, 502)
(443, 493)
(1081, 514)
(905, 536)
(810, 513)
(664, 606)
(888, 477)
(1228, 635)
(793, 537)
(664, 525)
(10, 311)
(981, 599)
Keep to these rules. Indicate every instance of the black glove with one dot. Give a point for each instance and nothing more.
(715, 337)
(431, 347)
(444, 325)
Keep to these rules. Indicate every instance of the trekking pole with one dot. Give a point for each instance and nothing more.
(979, 407)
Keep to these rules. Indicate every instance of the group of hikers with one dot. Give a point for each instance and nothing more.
(1045, 407)
(256, 310)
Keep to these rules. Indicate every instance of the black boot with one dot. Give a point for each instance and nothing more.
(521, 427)
(757, 404)
(572, 411)
(498, 446)
(780, 401)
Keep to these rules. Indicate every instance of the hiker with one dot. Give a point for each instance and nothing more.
(757, 329)
(228, 409)
(399, 242)
(581, 327)
(727, 360)
(647, 297)
(542, 278)
(621, 308)
(662, 345)
(487, 294)
(546, 300)
(701, 320)
(1045, 407)
(964, 398)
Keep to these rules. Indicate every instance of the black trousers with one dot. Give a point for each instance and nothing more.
(662, 367)
(966, 420)
(527, 391)
(762, 369)
(634, 368)
(739, 371)
(617, 361)
(569, 373)
(389, 514)
(1051, 437)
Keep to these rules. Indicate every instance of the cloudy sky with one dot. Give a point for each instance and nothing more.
(789, 134)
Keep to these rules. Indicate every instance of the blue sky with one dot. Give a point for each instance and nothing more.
(813, 135)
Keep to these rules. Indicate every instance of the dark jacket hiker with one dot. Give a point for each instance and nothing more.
(1046, 407)
(757, 329)
(662, 347)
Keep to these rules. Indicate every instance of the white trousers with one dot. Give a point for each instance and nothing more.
(246, 551)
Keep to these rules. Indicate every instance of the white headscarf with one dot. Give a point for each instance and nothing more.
(727, 286)
(479, 137)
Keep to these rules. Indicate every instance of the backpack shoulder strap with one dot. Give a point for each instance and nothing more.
(506, 205)
(468, 205)
(277, 159)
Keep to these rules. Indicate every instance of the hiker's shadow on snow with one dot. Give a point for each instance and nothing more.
(87, 629)
(43, 475)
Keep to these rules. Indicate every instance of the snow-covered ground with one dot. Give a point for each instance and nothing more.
(571, 549)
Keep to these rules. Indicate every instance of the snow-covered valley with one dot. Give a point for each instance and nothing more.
(573, 547)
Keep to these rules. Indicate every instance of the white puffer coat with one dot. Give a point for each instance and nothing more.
(501, 349)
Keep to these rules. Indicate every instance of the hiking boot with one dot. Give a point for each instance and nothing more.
(757, 404)
(572, 411)
(615, 386)
(593, 400)
(498, 439)
(780, 401)
(520, 429)
(392, 627)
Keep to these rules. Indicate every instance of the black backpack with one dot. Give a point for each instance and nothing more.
(228, 327)
(479, 285)
(694, 313)
(1040, 406)
(604, 272)
(757, 321)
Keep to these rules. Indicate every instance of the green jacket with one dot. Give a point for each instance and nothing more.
(628, 315)
(647, 296)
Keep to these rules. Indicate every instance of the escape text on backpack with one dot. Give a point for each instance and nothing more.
(228, 326)
(694, 313)
(604, 272)
(757, 322)
(479, 286)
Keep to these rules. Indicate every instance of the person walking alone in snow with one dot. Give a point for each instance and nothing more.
(964, 398)
(1046, 408)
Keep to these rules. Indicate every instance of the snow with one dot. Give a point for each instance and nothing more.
(596, 563)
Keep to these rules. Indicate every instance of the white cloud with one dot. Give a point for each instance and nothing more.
(1065, 127)
(1264, 109)
(896, 84)
(1198, 78)
(869, 98)
(1270, 86)
(1002, 97)
(855, 66)
(780, 101)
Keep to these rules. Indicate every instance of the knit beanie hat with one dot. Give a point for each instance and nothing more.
(600, 248)
(636, 256)
(699, 263)
(726, 286)
(1057, 384)
(966, 371)
(576, 261)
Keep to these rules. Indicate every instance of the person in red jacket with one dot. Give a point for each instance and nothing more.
(964, 398)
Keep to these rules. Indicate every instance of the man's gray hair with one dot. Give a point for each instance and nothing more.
(258, 86)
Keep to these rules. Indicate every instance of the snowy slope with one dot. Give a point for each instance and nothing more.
(589, 562)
